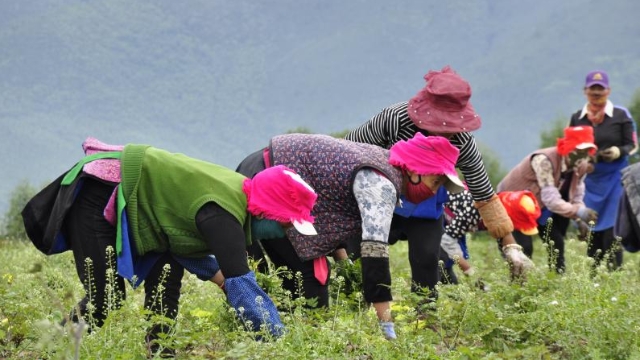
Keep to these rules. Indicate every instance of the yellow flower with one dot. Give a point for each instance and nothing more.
(421, 324)
(400, 308)
(199, 313)
(8, 278)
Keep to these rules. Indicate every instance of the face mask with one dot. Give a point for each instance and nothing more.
(418, 192)
(266, 229)
(576, 158)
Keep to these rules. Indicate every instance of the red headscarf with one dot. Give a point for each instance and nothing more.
(577, 137)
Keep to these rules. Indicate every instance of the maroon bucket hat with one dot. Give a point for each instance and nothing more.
(443, 106)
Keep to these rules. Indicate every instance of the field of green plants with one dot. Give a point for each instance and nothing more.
(573, 316)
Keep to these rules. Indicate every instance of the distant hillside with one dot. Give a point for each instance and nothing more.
(216, 79)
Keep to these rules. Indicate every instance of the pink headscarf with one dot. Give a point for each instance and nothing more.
(278, 193)
(105, 169)
(428, 155)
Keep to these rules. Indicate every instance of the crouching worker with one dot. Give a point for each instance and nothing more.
(157, 209)
(358, 187)
(555, 176)
(461, 217)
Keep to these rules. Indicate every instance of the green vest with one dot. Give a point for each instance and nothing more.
(163, 193)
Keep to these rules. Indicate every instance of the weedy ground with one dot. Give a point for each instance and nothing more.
(578, 315)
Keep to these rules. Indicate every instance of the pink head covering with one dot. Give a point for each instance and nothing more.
(432, 155)
(105, 169)
(278, 193)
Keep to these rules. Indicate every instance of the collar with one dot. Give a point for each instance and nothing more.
(608, 109)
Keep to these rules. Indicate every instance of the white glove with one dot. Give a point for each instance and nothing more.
(610, 154)
(584, 230)
(388, 330)
(586, 214)
(519, 262)
(470, 271)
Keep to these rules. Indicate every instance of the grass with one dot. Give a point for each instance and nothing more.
(574, 316)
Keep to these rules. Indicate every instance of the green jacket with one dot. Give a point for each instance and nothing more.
(163, 193)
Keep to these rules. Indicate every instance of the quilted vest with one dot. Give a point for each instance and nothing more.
(522, 176)
(329, 165)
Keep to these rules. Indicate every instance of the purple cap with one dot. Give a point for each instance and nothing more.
(597, 77)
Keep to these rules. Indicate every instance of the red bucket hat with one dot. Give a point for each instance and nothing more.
(278, 193)
(577, 137)
(443, 106)
(428, 155)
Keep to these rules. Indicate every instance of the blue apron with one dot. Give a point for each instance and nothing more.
(432, 208)
(603, 191)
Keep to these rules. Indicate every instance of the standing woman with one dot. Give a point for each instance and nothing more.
(613, 129)
(441, 108)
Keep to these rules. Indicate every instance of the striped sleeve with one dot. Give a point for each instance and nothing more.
(393, 124)
(472, 167)
(384, 129)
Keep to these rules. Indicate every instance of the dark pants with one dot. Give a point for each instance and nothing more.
(447, 274)
(282, 254)
(603, 246)
(555, 234)
(89, 236)
(424, 250)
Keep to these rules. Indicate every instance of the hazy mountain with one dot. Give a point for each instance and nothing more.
(216, 79)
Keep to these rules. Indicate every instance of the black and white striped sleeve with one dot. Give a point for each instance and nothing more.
(472, 167)
(381, 130)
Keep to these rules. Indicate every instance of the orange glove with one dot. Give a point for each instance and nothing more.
(495, 217)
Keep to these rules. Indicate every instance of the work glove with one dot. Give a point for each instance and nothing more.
(583, 230)
(495, 217)
(586, 214)
(610, 154)
(252, 305)
(469, 272)
(388, 330)
(518, 261)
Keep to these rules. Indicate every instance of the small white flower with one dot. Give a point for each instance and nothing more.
(614, 299)
(554, 302)
(596, 285)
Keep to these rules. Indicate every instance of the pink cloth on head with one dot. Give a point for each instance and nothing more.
(104, 169)
(275, 195)
(425, 155)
